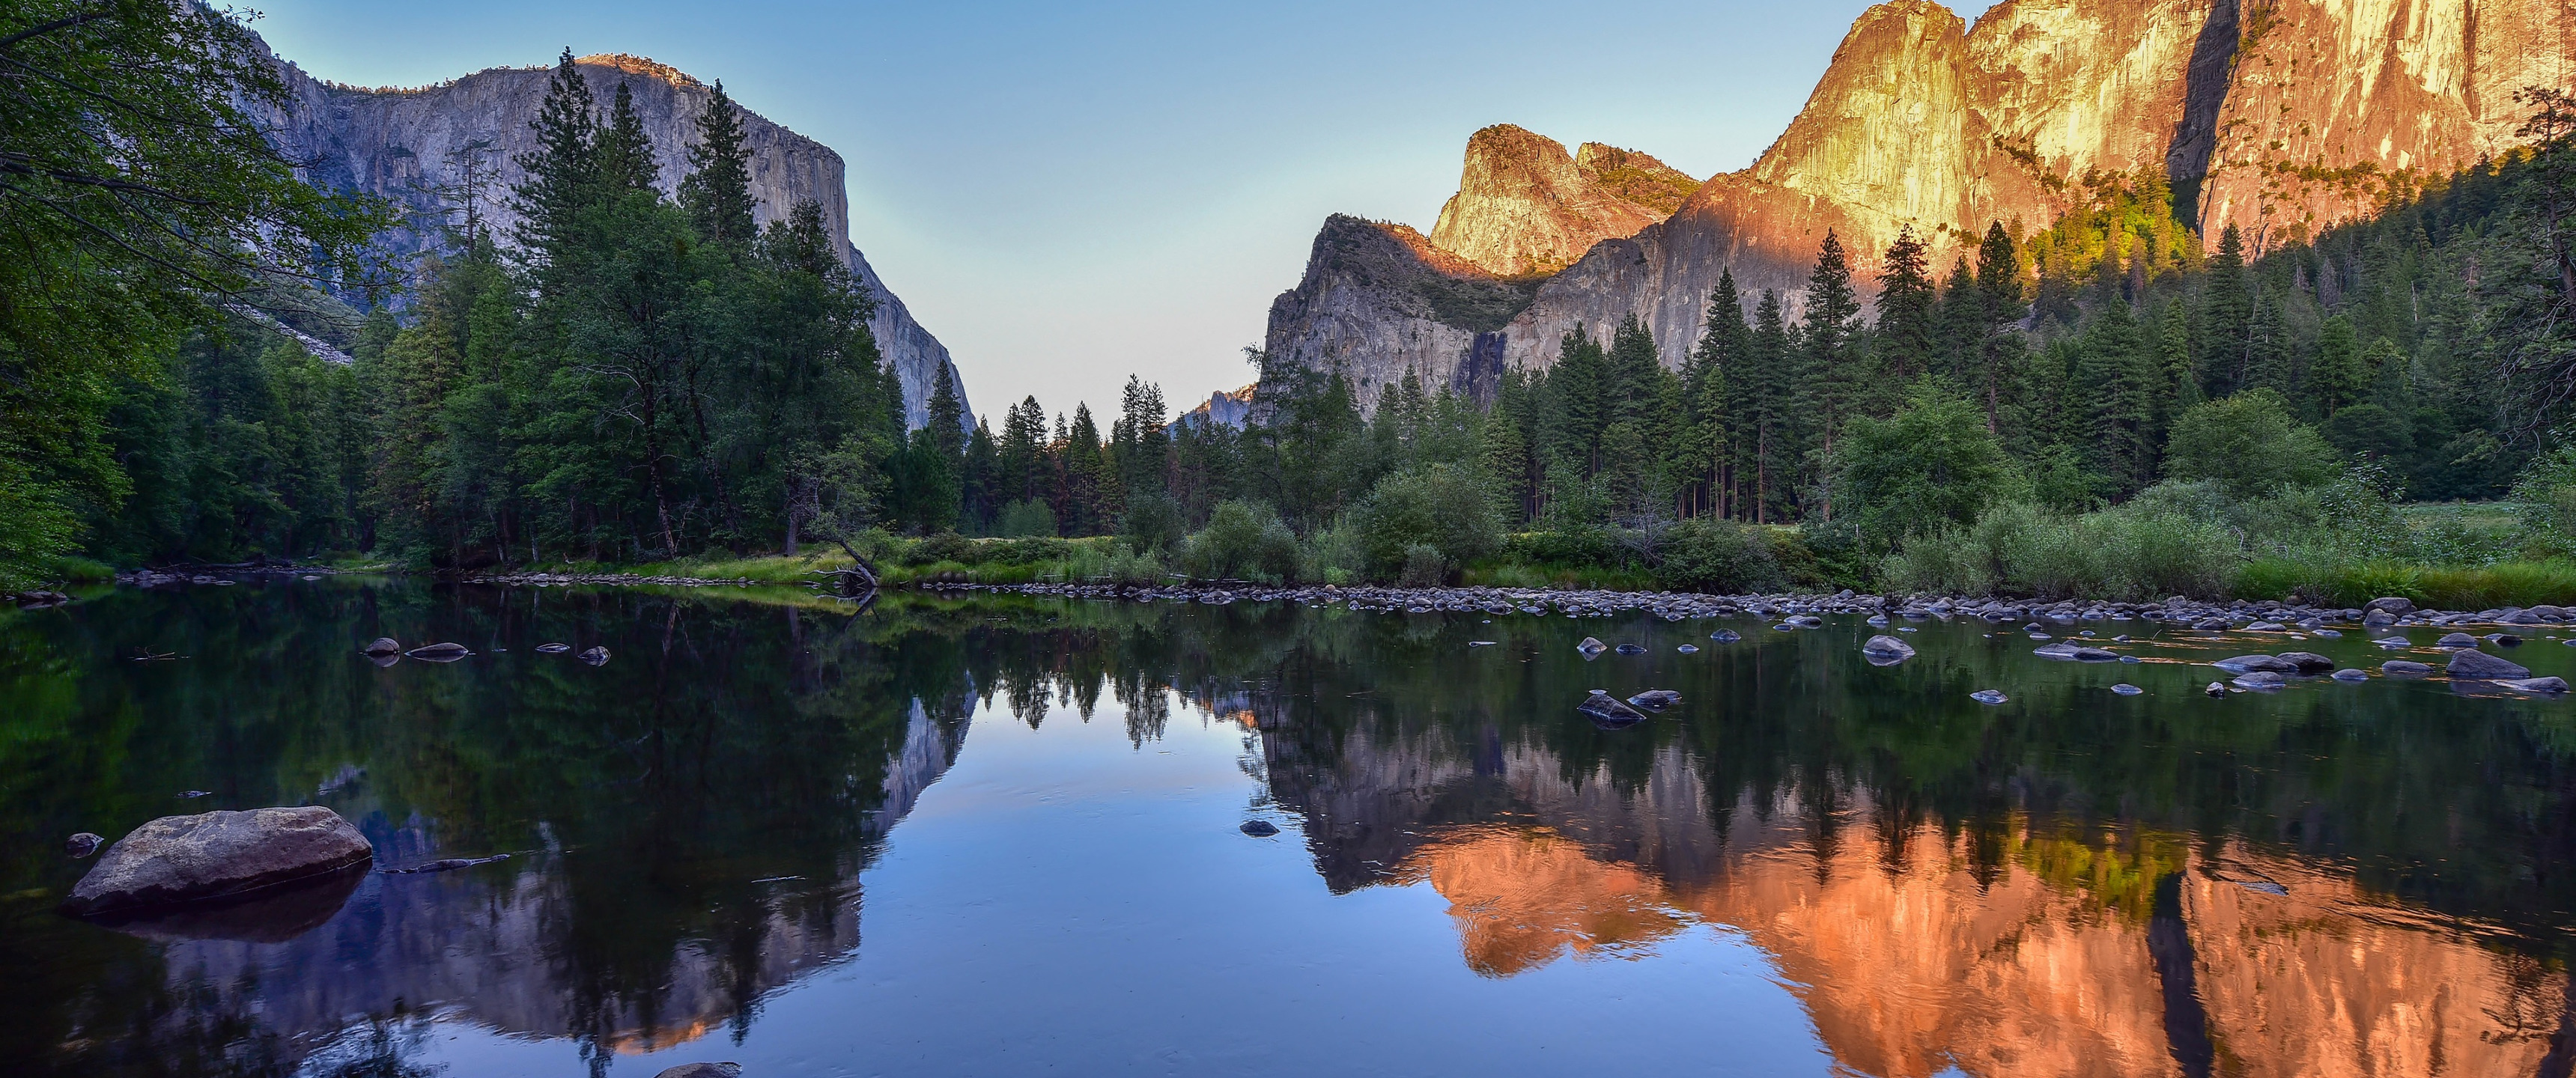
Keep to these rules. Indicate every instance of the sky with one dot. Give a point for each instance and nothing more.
(1069, 193)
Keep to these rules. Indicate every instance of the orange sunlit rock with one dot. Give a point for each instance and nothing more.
(1521, 899)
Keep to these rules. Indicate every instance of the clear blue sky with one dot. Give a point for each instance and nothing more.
(1065, 193)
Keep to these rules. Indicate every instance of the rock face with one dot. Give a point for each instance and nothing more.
(178, 859)
(1380, 299)
(1524, 207)
(1223, 408)
(416, 146)
(2279, 116)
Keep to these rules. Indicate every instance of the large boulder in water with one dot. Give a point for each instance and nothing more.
(2476, 665)
(1883, 650)
(703, 1070)
(222, 854)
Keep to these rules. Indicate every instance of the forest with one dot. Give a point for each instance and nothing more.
(2101, 405)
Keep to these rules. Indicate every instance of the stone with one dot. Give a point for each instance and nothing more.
(1989, 697)
(2306, 662)
(1726, 636)
(1254, 828)
(1656, 699)
(2536, 686)
(439, 653)
(216, 855)
(2261, 680)
(2215, 690)
(447, 865)
(2405, 668)
(595, 656)
(2126, 689)
(2394, 642)
(2474, 665)
(734, 1070)
(2351, 674)
(1882, 650)
(1688, 649)
(553, 649)
(1609, 712)
(382, 645)
(81, 845)
(2257, 663)
(1591, 647)
(2392, 605)
(1631, 649)
(2456, 640)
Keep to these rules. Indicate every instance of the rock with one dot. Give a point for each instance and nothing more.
(82, 844)
(595, 656)
(1688, 649)
(382, 645)
(219, 854)
(1254, 828)
(2504, 640)
(2394, 642)
(1725, 636)
(2474, 665)
(1480, 643)
(2126, 689)
(1656, 699)
(2378, 619)
(1609, 712)
(2266, 627)
(1591, 647)
(1808, 621)
(2536, 686)
(2306, 662)
(1988, 697)
(449, 865)
(439, 653)
(2351, 674)
(2261, 679)
(1884, 650)
(2257, 663)
(2215, 690)
(2392, 605)
(553, 649)
(734, 1070)
(2404, 668)
(2456, 640)
(1631, 649)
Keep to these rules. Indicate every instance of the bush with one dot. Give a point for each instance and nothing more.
(1719, 557)
(1567, 546)
(1933, 464)
(1332, 555)
(1152, 524)
(1442, 505)
(1243, 540)
(2249, 445)
(1423, 567)
(1026, 517)
(943, 547)
(2020, 549)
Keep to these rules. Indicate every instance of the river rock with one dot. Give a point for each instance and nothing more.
(1254, 828)
(2306, 662)
(1609, 712)
(2267, 664)
(2474, 665)
(2261, 680)
(217, 854)
(1630, 649)
(2405, 668)
(2126, 689)
(440, 653)
(734, 1070)
(82, 844)
(595, 656)
(1726, 636)
(1591, 647)
(1882, 650)
(1688, 649)
(382, 645)
(2392, 605)
(2394, 642)
(1988, 696)
(553, 649)
(2456, 640)
(2215, 690)
(1656, 699)
(2351, 674)
(2536, 686)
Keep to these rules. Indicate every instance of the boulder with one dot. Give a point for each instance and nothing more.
(2306, 662)
(2475, 665)
(81, 845)
(709, 1070)
(1726, 636)
(553, 649)
(1591, 647)
(1882, 650)
(1656, 699)
(2268, 664)
(1630, 649)
(2456, 640)
(1609, 712)
(382, 645)
(1254, 828)
(2351, 674)
(596, 656)
(214, 855)
(2536, 686)
(2405, 668)
(2394, 604)
(2261, 680)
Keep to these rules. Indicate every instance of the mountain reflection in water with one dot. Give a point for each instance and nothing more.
(2332, 880)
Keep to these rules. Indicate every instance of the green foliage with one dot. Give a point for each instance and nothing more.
(1934, 464)
(1152, 524)
(1441, 505)
(2020, 549)
(1027, 516)
(2248, 444)
(1718, 557)
(1243, 541)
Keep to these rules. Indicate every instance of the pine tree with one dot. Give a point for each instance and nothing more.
(562, 171)
(1999, 289)
(1908, 330)
(1712, 389)
(626, 151)
(2227, 315)
(1837, 379)
(717, 192)
(1772, 438)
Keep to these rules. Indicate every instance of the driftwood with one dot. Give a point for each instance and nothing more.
(857, 581)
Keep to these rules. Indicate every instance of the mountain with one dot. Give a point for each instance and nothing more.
(1223, 408)
(1524, 207)
(2282, 117)
(432, 148)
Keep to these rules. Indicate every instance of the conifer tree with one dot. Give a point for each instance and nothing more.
(2227, 315)
(1836, 380)
(562, 171)
(717, 192)
(1908, 331)
(626, 151)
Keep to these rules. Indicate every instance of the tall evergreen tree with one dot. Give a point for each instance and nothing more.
(1908, 324)
(717, 192)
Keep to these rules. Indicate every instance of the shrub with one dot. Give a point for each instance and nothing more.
(943, 547)
(1025, 517)
(1332, 555)
(1935, 463)
(1442, 505)
(1720, 557)
(1244, 540)
(1423, 567)
(1566, 546)
(2248, 444)
(2017, 548)
(1152, 524)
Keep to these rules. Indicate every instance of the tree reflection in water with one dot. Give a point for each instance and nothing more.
(2350, 881)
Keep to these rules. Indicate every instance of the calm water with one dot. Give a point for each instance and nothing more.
(1000, 836)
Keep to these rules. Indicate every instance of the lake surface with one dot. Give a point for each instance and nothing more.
(1001, 836)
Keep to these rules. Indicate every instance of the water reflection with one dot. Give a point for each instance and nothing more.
(2331, 880)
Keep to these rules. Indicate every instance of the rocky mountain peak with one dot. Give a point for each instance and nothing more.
(1525, 207)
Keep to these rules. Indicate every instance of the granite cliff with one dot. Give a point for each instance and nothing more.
(1524, 207)
(2281, 117)
(417, 146)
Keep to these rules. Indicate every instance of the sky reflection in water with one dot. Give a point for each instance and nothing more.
(999, 836)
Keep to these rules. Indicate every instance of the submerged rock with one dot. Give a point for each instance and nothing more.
(2456, 640)
(1631, 649)
(553, 649)
(221, 854)
(2394, 642)
(1609, 712)
(596, 656)
(2246, 664)
(1726, 636)
(1480, 643)
(1988, 696)
(439, 653)
(2476, 665)
(2351, 674)
(82, 844)
(2126, 689)
(1688, 649)
(1886, 650)
(1254, 828)
(2261, 680)
(2536, 686)
(2404, 668)
(1656, 699)
(2306, 662)
(382, 645)
(2215, 690)
(1591, 647)
(734, 1070)
(449, 865)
